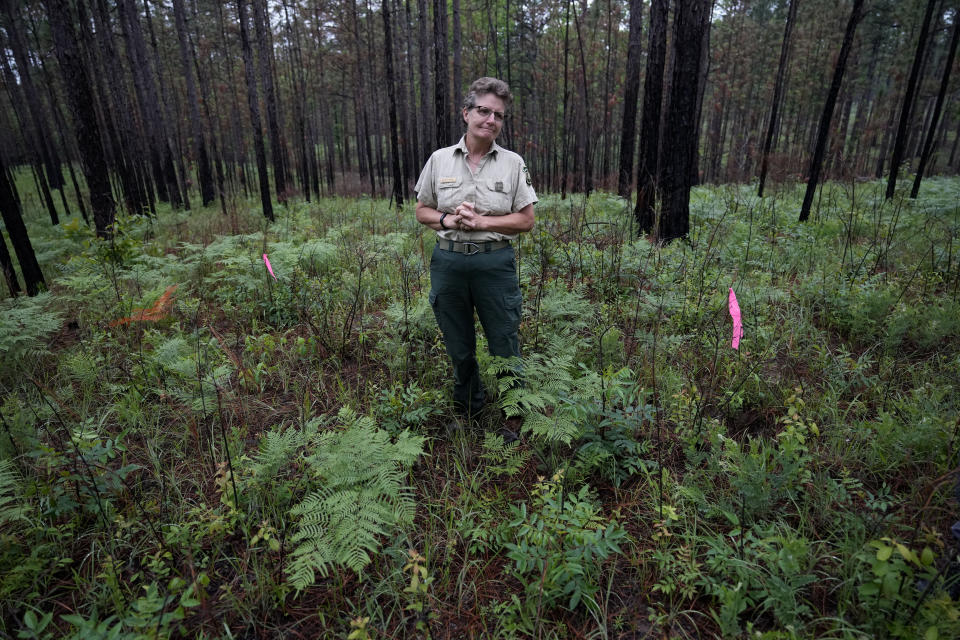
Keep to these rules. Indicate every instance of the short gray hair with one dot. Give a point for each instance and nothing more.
(484, 86)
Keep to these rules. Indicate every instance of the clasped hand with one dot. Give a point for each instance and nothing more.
(466, 217)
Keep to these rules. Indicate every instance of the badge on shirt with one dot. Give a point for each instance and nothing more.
(447, 180)
(529, 181)
(498, 187)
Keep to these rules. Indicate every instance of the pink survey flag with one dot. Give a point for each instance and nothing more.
(266, 260)
(737, 321)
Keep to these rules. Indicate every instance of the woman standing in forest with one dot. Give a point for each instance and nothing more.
(478, 197)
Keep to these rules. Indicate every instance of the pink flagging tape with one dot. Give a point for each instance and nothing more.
(737, 320)
(266, 260)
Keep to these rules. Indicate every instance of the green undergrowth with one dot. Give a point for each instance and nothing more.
(192, 447)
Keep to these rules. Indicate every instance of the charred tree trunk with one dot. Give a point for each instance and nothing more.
(204, 171)
(392, 98)
(138, 187)
(457, 96)
(565, 120)
(237, 159)
(631, 96)
(778, 85)
(823, 131)
(441, 85)
(252, 102)
(941, 95)
(80, 97)
(98, 57)
(411, 141)
(701, 92)
(265, 51)
(37, 113)
(9, 273)
(10, 210)
(65, 142)
(584, 130)
(167, 103)
(648, 169)
(148, 104)
(900, 141)
(679, 149)
(29, 137)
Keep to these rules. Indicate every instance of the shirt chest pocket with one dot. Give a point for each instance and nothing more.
(449, 194)
(497, 197)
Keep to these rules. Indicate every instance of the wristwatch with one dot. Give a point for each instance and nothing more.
(442, 216)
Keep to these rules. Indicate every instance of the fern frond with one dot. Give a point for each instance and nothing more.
(505, 459)
(11, 509)
(276, 449)
(361, 499)
(25, 323)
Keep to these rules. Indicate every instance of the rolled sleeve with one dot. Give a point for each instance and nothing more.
(524, 193)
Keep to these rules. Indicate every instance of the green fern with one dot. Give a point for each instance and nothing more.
(11, 510)
(277, 448)
(505, 459)
(549, 400)
(362, 498)
(176, 359)
(25, 323)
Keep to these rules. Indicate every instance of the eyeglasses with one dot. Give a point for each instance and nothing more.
(484, 112)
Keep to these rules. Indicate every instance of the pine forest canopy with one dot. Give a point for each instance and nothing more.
(182, 101)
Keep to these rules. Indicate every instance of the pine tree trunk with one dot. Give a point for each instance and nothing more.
(631, 97)
(906, 112)
(146, 96)
(65, 144)
(701, 92)
(30, 140)
(411, 142)
(392, 98)
(173, 157)
(204, 172)
(13, 221)
(6, 265)
(457, 96)
(823, 131)
(130, 152)
(565, 121)
(679, 150)
(778, 86)
(98, 56)
(252, 102)
(265, 51)
(607, 133)
(80, 97)
(941, 94)
(38, 115)
(648, 170)
(585, 130)
(427, 142)
(859, 147)
(441, 85)
(238, 153)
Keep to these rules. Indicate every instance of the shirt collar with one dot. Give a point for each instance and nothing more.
(462, 146)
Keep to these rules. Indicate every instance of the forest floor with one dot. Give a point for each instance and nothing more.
(193, 447)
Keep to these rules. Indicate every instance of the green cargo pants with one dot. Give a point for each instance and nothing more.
(487, 282)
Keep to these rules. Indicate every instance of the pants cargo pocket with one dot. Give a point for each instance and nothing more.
(513, 309)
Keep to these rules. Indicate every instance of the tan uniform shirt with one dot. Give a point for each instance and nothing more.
(499, 186)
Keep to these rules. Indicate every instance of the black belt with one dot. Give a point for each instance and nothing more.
(471, 248)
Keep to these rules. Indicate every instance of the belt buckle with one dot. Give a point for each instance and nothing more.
(467, 252)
